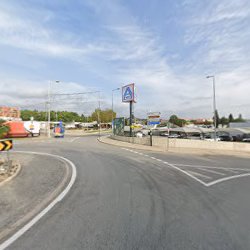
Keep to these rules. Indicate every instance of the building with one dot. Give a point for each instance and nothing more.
(10, 113)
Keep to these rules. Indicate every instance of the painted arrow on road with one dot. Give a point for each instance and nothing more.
(6, 145)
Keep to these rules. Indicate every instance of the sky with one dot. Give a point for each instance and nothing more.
(167, 48)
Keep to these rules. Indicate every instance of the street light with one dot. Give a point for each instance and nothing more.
(214, 105)
(49, 104)
(113, 105)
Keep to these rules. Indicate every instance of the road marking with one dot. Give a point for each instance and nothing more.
(211, 171)
(193, 175)
(234, 170)
(186, 173)
(26, 227)
(74, 139)
(198, 174)
(227, 179)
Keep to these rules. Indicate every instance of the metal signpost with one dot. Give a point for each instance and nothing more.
(128, 95)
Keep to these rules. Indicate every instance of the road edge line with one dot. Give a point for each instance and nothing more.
(60, 197)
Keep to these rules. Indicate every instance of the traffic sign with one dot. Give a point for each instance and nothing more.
(6, 145)
(128, 93)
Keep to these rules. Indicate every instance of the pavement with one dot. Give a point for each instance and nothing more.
(39, 181)
(194, 151)
(126, 198)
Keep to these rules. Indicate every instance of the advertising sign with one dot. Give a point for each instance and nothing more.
(119, 126)
(154, 118)
(128, 93)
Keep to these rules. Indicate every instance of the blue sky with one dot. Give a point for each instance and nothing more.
(165, 47)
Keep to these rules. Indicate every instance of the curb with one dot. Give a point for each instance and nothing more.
(187, 151)
(12, 176)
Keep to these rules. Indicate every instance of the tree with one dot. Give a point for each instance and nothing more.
(4, 129)
(224, 121)
(105, 115)
(239, 119)
(216, 118)
(207, 123)
(177, 121)
(230, 118)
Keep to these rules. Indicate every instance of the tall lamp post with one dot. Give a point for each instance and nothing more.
(214, 106)
(113, 105)
(49, 104)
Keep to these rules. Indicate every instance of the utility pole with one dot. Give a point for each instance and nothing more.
(48, 124)
(99, 118)
(49, 105)
(214, 107)
(113, 107)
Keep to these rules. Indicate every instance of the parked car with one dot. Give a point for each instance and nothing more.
(247, 139)
(226, 138)
(174, 136)
(140, 134)
(164, 134)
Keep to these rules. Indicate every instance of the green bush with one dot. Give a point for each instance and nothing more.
(3, 129)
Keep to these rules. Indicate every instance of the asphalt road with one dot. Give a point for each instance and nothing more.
(126, 199)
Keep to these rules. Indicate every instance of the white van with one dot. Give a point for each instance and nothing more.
(33, 127)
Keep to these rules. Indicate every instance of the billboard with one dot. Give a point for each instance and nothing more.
(118, 126)
(154, 118)
(128, 93)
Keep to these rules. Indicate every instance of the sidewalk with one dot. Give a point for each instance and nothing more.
(40, 180)
(107, 140)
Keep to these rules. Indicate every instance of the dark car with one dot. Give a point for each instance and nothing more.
(226, 138)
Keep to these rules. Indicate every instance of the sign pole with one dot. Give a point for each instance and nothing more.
(130, 118)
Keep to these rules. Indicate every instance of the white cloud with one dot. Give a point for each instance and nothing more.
(216, 37)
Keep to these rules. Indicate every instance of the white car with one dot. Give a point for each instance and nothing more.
(212, 139)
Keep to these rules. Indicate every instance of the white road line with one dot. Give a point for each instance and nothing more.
(198, 174)
(233, 171)
(74, 139)
(26, 227)
(211, 171)
(186, 173)
(205, 168)
(224, 168)
(158, 159)
(227, 179)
